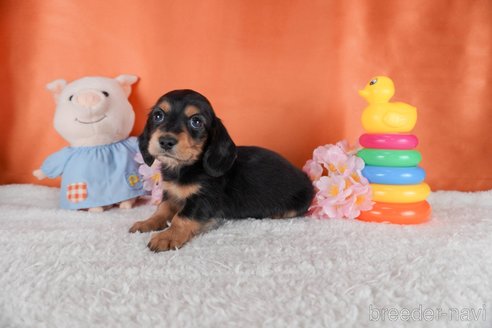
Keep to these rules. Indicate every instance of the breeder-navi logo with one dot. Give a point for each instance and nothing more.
(427, 314)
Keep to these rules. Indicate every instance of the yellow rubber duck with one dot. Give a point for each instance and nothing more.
(383, 116)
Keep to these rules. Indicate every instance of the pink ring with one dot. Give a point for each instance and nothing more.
(388, 141)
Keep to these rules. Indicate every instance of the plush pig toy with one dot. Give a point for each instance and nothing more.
(98, 170)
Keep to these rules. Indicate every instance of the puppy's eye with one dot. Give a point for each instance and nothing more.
(105, 93)
(70, 98)
(373, 82)
(196, 122)
(158, 116)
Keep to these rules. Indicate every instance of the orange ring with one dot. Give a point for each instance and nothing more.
(408, 213)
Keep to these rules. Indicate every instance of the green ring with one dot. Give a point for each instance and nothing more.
(385, 157)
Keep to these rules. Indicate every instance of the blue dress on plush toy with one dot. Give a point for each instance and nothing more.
(96, 175)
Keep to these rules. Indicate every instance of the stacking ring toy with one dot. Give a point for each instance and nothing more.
(388, 141)
(382, 157)
(394, 175)
(400, 193)
(413, 213)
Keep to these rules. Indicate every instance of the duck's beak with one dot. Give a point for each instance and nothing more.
(364, 93)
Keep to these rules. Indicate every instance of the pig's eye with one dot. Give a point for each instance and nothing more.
(105, 93)
(70, 98)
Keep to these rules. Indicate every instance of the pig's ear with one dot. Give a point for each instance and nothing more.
(126, 81)
(56, 87)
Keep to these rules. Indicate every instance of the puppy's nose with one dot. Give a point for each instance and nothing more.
(167, 142)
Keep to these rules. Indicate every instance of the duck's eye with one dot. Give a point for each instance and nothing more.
(196, 122)
(158, 116)
(373, 81)
(105, 93)
(70, 98)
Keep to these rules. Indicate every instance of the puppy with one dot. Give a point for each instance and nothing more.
(206, 177)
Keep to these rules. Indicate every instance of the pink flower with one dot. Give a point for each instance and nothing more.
(332, 158)
(156, 194)
(343, 192)
(331, 189)
(138, 158)
(343, 145)
(359, 200)
(313, 169)
(151, 176)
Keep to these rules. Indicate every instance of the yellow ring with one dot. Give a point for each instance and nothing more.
(400, 193)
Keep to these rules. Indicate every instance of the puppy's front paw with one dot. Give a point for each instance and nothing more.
(141, 226)
(166, 240)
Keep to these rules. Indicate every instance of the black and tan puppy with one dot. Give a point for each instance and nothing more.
(206, 177)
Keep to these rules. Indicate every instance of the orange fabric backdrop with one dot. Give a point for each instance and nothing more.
(281, 74)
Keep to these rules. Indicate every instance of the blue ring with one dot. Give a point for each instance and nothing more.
(394, 175)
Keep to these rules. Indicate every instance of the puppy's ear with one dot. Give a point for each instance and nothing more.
(143, 145)
(221, 151)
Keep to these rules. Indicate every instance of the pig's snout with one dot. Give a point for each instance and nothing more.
(89, 99)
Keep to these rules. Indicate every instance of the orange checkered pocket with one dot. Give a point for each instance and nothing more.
(77, 192)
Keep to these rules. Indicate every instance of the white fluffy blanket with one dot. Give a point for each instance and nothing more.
(80, 269)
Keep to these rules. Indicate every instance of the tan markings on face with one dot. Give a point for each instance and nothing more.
(187, 148)
(154, 146)
(186, 151)
(191, 110)
(165, 106)
(156, 150)
(180, 192)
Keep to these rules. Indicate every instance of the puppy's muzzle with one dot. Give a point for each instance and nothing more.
(167, 142)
